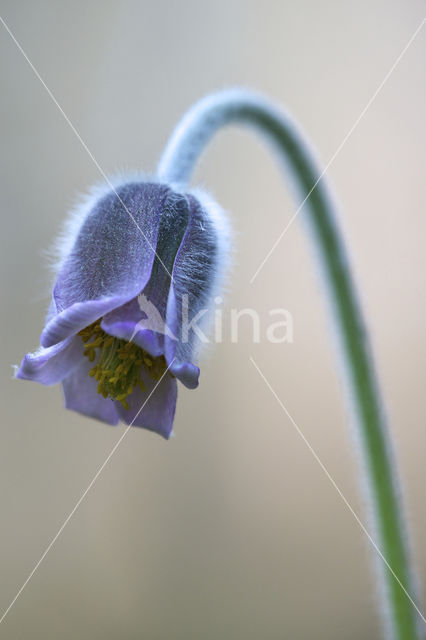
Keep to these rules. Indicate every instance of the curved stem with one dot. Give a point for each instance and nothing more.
(402, 616)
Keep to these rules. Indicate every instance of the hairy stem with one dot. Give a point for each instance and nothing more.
(402, 616)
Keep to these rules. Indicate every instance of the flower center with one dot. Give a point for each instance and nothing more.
(119, 363)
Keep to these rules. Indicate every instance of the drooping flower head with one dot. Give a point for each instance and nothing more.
(137, 262)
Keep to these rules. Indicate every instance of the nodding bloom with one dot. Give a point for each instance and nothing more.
(136, 262)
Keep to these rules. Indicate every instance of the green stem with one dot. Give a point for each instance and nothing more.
(403, 618)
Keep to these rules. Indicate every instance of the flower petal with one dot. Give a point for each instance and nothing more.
(193, 278)
(143, 319)
(77, 317)
(127, 322)
(80, 392)
(153, 409)
(112, 257)
(187, 373)
(51, 365)
(175, 351)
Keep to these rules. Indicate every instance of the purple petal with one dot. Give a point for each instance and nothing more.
(77, 317)
(144, 319)
(51, 365)
(112, 257)
(153, 409)
(192, 277)
(128, 322)
(175, 351)
(80, 391)
(187, 373)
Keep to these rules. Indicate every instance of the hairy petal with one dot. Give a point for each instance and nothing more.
(77, 317)
(195, 279)
(153, 409)
(111, 259)
(175, 351)
(128, 322)
(81, 395)
(51, 365)
(143, 319)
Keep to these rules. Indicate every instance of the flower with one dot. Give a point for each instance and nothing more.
(138, 246)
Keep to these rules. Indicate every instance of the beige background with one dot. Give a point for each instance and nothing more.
(231, 529)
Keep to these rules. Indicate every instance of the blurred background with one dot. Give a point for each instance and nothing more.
(231, 529)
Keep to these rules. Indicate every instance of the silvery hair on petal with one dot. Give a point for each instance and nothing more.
(204, 263)
(202, 273)
(85, 202)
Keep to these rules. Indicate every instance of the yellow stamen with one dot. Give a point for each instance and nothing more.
(119, 363)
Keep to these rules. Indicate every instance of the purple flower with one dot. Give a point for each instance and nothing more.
(137, 247)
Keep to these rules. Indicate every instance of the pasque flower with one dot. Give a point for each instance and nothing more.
(109, 360)
(139, 241)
